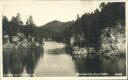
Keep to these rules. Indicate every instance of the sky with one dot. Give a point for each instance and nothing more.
(46, 11)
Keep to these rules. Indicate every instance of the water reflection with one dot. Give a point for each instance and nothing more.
(100, 66)
(86, 65)
(114, 66)
(16, 60)
(57, 62)
(57, 51)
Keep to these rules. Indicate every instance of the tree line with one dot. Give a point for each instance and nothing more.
(89, 30)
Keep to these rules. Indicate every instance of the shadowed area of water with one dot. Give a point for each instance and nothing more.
(100, 66)
(20, 61)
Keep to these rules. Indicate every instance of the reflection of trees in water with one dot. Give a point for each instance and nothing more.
(32, 58)
(57, 51)
(6, 60)
(16, 64)
(87, 65)
(114, 65)
(15, 60)
(110, 66)
(98, 64)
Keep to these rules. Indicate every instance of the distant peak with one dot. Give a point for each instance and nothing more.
(56, 21)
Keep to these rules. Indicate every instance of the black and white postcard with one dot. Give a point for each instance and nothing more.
(64, 39)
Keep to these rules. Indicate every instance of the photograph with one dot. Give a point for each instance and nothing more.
(64, 39)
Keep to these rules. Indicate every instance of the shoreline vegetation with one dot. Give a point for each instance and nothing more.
(99, 34)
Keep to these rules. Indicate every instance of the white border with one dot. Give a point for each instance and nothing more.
(59, 78)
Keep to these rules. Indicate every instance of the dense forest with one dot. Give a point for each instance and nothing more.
(102, 31)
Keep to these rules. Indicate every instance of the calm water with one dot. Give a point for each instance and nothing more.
(52, 60)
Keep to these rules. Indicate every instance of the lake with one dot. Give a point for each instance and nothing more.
(53, 60)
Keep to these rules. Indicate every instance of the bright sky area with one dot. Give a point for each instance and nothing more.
(46, 11)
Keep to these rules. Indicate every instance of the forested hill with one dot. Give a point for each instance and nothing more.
(56, 26)
(54, 30)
